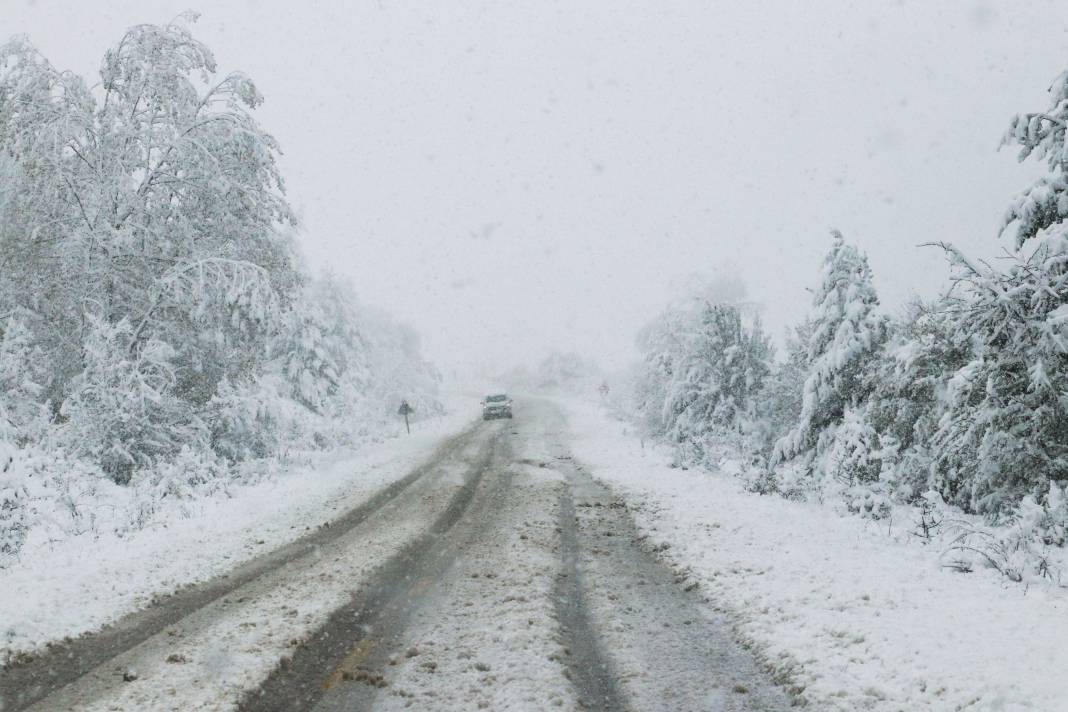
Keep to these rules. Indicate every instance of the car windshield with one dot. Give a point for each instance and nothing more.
(496, 399)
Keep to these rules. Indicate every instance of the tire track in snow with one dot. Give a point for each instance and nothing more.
(589, 668)
(358, 634)
(663, 646)
(22, 684)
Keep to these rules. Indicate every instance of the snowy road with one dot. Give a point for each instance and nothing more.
(499, 575)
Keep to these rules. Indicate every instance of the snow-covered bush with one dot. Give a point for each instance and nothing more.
(244, 420)
(22, 369)
(49, 495)
(174, 483)
(123, 412)
(929, 515)
(849, 466)
(1040, 531)
(852, 455)
(1028, 546)
(14, 500)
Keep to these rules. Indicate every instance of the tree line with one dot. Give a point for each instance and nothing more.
(960, 399)
(153, 301)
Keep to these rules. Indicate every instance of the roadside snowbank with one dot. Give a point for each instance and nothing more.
(66, 588)
(857, 620)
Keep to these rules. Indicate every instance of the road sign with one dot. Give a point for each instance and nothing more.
(405, 410)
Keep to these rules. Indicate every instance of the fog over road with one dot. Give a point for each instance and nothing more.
(499, 575)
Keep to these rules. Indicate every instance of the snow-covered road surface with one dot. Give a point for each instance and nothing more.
(498, 576)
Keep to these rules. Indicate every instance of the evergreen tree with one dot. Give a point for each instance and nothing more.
(1042, 206)
(907, 399)
(711, 370)
(661, 345)
(1004, 433)
(779, 402)
(847, 332)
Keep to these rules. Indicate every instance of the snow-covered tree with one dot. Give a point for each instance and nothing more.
(778, 404)
(665, 343)
(1002, 435)
(1042, 206)
(398, 369)
(153, 199)
(852, 464)
(320, 343)
(1004, 431)
(157, 327)
(703, 363)
(908, 394)
(721, 365)
(847, 332)
(662, 348)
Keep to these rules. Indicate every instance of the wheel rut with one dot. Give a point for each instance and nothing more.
(506, 577)
(588, 667)
(358, 637)
(645, 638)
(23, 684)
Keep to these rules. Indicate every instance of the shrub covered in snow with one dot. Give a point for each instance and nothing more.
(14, 502)
(123, 411)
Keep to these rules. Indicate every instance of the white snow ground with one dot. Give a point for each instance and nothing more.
(76, 586)
(857, 619)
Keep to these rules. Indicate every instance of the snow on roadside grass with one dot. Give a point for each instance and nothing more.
(67, 588)
(858, 620)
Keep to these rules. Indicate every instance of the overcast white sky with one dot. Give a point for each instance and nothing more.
(511, 177)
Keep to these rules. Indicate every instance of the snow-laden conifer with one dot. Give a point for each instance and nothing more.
(847, 331)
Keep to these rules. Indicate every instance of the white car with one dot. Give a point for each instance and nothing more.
(497, 405)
